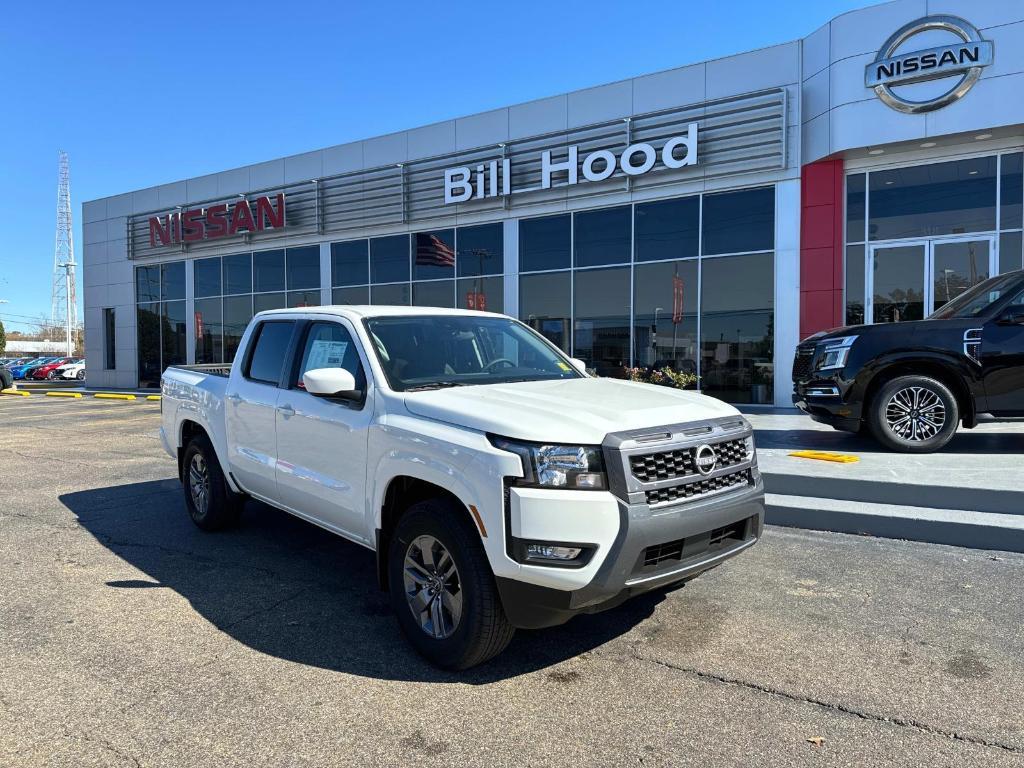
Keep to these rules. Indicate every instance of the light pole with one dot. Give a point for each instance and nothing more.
(69, 271)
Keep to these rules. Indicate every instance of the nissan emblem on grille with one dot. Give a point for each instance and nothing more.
(705, 458)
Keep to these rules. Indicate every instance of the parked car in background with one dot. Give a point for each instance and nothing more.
(11, 362)
(75, 370)
(49, 370)
(22, 371)
(499, 484)
(911, 384)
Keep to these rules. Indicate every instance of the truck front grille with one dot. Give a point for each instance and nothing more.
(802, 364)
(699, 487)
(666, 465)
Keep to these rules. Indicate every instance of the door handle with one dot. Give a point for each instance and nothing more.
(286, 410)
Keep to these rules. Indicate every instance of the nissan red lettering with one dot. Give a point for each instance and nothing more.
(221, 220)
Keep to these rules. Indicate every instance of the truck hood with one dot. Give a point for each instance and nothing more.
(578, 411)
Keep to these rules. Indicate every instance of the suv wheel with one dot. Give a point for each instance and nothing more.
(211, 504)
(442, 588)
(914, 414)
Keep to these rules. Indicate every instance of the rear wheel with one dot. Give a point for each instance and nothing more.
(442, 588)
(914, 414)
(80, 375)
(211, 504)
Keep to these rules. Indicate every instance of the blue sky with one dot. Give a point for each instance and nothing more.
(144, 93)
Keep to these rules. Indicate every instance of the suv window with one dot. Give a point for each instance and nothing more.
(330, 345)
(269, 351)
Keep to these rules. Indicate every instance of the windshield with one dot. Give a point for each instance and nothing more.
(433, 351)
(977, 301)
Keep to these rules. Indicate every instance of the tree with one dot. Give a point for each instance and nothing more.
(3, 338)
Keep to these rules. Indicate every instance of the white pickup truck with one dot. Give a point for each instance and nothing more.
(499, 484)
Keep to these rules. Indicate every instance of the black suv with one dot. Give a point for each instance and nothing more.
(909, 384)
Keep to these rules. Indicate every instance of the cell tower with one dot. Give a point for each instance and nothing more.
(64, 303)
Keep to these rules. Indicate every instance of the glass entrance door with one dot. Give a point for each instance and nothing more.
(910, 280)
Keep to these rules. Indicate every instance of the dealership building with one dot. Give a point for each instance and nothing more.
(706, 217)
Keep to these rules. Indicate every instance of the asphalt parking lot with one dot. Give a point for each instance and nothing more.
(129, 638)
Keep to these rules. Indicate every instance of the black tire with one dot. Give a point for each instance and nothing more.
(482, 630)
(887, 408)
(222, 507)
(80, 375)
(51, 375)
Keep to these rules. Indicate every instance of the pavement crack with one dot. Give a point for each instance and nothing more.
(262, 609)
(903, 722)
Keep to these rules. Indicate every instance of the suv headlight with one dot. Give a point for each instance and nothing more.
(834, 353)
(574, 467)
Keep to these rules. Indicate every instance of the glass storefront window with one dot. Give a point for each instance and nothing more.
(268, 271)
(486, 294)
(665, 299)
(855, 296)
(172, 281)
(206, 274)
(898, 277)
(434, 293)
(237, 314)
(737, 222)
(545, 304)
(303, 268)
(148, 337)
(357, 296)
(481, 250)
(209, 331)
(1010, 257)
(434, 255)
(601, 326)
(934, 199)
(238, 273)
(264, 301)
(147, 284)
(737, 327)
(667, 229)
(389, 259)
(856, 198)
(350, 263)
(172, 333)
(303, 299)
(602, 237)
(1011, 191)
(545, 243)
(396, 295)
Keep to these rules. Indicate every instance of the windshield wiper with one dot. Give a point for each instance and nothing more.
(435, 385)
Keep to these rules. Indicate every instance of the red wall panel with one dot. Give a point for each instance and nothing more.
(821, 246)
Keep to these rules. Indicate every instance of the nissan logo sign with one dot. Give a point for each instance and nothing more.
(705, 458)
(963, 60)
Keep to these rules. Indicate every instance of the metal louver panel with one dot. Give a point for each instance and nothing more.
(741, 134)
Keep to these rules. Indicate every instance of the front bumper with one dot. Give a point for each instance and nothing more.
(643, 543)
(824, 395)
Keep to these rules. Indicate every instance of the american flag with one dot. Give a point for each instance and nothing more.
(433, 251)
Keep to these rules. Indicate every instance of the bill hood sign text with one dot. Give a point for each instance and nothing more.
(495, 178)
(216, 221)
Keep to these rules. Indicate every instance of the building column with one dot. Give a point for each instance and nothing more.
(326, 294)
(787, 287)
(821, 246)
(511, 269)
(190, 312)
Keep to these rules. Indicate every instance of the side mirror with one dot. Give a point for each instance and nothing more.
(1012, 317)
(579, 365)
(331, 382)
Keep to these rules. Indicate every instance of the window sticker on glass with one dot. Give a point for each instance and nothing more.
(326, 354)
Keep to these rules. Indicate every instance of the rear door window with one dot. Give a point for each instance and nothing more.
(268, 354)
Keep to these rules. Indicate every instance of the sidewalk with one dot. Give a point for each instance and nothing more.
(970, 494)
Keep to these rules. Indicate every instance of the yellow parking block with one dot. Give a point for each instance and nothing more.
(839, 458)
(63, 394)
(21, 392)
(152, 397)
(113, 396)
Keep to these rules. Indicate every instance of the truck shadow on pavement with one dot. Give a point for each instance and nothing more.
(291, 590)
(963, 442)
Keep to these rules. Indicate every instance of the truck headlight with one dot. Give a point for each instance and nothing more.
(574, 467)
(834, 353)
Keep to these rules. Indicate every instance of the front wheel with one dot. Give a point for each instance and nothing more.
(80, 375)
(211, 504)
(914, 414)
(442, 588)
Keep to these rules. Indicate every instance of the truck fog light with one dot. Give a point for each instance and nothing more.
(547, 552)
(589, 480)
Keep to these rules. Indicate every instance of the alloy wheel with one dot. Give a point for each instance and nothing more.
(433, 589)
(199, 483)
(915, 414)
